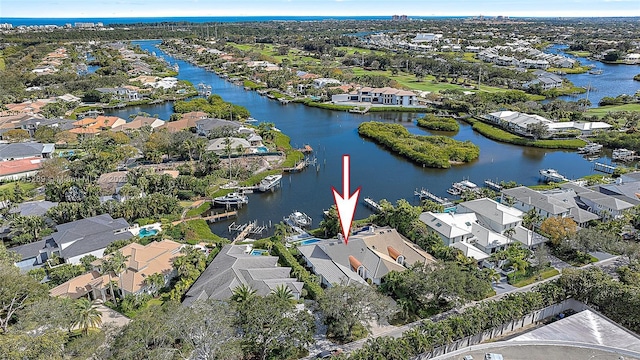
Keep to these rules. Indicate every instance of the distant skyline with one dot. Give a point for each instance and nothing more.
(184, 8)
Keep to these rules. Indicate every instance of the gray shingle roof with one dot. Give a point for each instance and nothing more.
(29, 250)
(233, 267)
(33, 208)
(21, 150)
(210, 124)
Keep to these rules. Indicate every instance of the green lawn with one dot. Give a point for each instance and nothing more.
(428, 83)
(26, 187)
(197, 231)
(204, 207)
(603, 110)
(538, 277)
(573, 70)
(579, 53)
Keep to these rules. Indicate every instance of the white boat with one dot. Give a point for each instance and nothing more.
(233, 198)
(300, 219)
(552, 175)
(623, 154)
(270, 182)
(595, 71)
(250, 120)
(591, 148)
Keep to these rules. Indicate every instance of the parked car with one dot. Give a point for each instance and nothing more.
(329, 353)
(468, 357)
(491, 356)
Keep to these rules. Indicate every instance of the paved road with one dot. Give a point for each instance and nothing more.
(609, 264)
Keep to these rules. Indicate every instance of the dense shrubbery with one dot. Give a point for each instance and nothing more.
(313, 288)
(214, 106)
(431, 151)
(616, 140)
(433, 122)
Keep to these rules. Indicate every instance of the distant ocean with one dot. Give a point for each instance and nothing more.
(136, 20)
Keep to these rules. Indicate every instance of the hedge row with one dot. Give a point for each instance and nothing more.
(314, 290)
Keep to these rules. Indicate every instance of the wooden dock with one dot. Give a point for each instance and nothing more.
(221, 216)
(245, 229)
(360, 109)
(608, 169)
(301, 165)
(425, 194)
(493, 185)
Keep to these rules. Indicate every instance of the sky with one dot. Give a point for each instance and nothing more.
(179, 8)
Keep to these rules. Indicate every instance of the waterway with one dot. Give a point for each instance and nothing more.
(381, 174)
(616, 79)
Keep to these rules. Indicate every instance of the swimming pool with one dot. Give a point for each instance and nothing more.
(258, 252)
(144, 232)
(262, 149)
(309, 241)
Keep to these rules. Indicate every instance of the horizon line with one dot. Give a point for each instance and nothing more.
(315, 16)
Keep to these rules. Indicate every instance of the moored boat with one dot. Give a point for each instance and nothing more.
(591, 148)
(231, 199)
(552, 175)
(270, 182)
(299, 219)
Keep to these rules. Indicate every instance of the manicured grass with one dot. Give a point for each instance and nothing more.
(26, 187)
(428, 83)
(579, 53)
(538, 277)
(497, 134)
(603, 110)
(252, 85)
(573, 70)
(204, 207)
(2, 64)
(253, 180)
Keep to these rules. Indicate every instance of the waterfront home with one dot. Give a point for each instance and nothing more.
(450, 226)
(233, 145)
(120, 93)
(382, 96)
(100, 122)
(492, 214)
(209, 127)
(142, 262)
(518, 122)
(238, 265)
(187, 121)
(626, 187)
(12, 170)
(603, 205)
(545, 80)
(72, 241)
(552, 203)
(369, 255)
(426, 37)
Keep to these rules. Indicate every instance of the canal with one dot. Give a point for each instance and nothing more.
(381, 174)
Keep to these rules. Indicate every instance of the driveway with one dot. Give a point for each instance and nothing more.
(112, 317)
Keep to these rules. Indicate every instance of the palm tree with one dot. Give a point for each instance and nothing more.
(509, 233)
(154, 282)
(283, 292)
(86, 315)
(281, 230)
(243, 293)
(115, 264)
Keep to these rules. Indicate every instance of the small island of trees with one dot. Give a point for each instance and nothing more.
(431, 151)
(433, 122)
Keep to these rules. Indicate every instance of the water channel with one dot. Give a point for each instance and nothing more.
(381, 174)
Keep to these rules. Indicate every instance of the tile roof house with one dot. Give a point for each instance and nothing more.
(369, 255)
(74, 240)
(100, 122)
(18, 169)
(235, 266)
(138, 123)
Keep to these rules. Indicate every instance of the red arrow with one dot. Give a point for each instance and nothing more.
(346, 204)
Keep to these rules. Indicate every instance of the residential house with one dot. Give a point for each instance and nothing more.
(110, 185)
(518, 122)
(369, 255)
(382, 96)
(238, 265)
(222, 145)
(545, 80)
(187, 121)
(208, 127)
(12, 170)
(450, 226)
(138, 123)
(142, 262)
(25, 150)
(121, 93)
(427, 37)
(325, 82)
(74, 240)
(100, 122)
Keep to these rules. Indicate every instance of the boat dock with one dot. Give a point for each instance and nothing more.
(301, 165)
(458, 188)
(624, 155)
(608, 169)
(425, 194)
(245, 229)
(492, 185)
(220, 216)
(372, 204)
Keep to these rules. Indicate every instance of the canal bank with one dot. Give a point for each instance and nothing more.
(381, 174)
